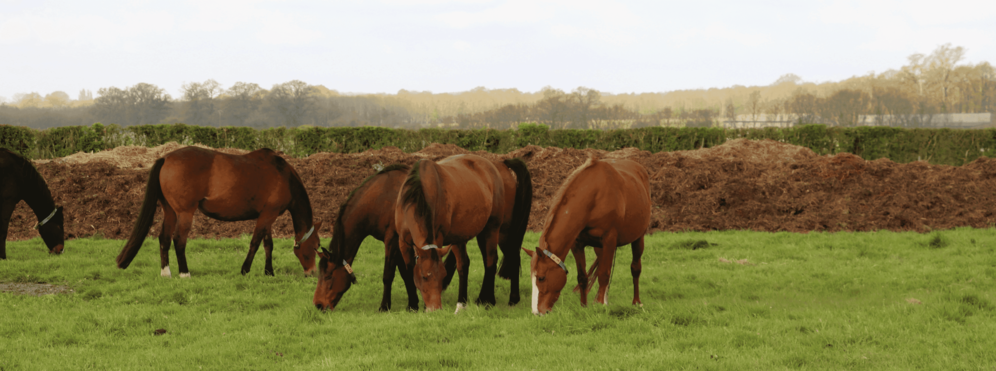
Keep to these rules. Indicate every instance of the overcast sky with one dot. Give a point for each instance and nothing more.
(450, 46)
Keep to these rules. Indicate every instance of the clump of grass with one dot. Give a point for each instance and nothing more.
(692, 245)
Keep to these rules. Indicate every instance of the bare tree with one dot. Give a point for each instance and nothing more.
(754, 106)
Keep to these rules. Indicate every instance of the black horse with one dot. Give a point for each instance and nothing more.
(19, 180)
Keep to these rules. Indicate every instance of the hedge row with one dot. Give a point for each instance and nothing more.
(938, 146)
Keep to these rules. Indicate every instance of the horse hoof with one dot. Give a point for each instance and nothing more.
(384, 308)
(165, 272)
(459, 306)
(185, 275)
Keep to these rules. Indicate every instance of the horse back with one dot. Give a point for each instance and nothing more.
(191, 175)
(475, 194)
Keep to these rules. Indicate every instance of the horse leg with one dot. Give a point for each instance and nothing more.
(488, 242)
(391, 253)
(183, 223)
(511, 256)
(6, 210)
(635, 268)
(166, 238)
(262, 229)
(605, 263)
(462, 266)
(268, 249)
(579, 260)
(591, 271)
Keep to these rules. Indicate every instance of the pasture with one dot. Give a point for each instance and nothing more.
(870, 300)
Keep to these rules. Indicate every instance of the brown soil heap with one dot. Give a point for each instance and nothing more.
(747, 185)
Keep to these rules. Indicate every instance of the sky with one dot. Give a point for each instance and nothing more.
(382, 46)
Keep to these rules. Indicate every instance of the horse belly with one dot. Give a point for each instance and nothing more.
(227, 211)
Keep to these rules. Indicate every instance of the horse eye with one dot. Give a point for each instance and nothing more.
(540, 279)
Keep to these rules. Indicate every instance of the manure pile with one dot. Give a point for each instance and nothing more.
(742, 184)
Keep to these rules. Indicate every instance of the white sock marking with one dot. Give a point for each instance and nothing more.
(185, 275)
(459, 306)
(535, 296)
(165, 272)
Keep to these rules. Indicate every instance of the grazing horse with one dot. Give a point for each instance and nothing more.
(367, 211)
(452, 201)
(19, 180)
(605, 204)
(258, 185)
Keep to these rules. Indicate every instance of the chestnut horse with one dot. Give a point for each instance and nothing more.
(258, 185)
(452, 201)
(605, 204)
(367, 211)
(19, 180)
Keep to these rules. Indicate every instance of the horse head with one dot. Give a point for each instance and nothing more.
(306, 246)
(52, 231)
(549, 275)
(429, 273)
(335, 276)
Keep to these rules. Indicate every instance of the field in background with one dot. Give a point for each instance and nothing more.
(872, 300)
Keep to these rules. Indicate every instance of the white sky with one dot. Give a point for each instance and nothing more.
(450, 46)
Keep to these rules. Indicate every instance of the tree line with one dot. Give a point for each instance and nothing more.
(927, 84)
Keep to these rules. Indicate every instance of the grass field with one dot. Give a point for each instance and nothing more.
(871, 301)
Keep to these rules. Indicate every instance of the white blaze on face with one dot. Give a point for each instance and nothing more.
(165, 272)
(535, 295)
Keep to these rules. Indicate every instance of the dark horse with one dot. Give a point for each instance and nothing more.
(367, 211)
(604, 204)
(19, 180)
(452, 201)
(258, 185)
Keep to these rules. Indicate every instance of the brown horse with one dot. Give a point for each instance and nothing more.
(258, 185)
(19, 180)
(452, 201)
(367, 211)
(604, 204)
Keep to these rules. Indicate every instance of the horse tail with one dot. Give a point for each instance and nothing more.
(520, 219)
(450, 265)
(146, 215)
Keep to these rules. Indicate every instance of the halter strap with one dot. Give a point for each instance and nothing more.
(50, 216)
(305, 237)
(346, 265)
(556, 260)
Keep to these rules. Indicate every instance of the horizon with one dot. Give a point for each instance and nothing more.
(440, 46)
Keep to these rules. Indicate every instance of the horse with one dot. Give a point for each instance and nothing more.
(448, 203)
(19, 180)
(367, 211)
(604, 204)
(258, 185)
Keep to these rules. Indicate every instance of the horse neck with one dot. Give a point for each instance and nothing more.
(563, 229)
(300, 206)
(35, 193)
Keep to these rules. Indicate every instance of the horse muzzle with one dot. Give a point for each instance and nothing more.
(57, 250)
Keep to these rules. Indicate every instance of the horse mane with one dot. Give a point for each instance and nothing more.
(414, 193)
(558, 198)
(339, 230)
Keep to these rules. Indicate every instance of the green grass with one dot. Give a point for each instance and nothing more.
(802, 301)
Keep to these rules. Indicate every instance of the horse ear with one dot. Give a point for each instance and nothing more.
(324, 254)
(445, 250)
(531, 253)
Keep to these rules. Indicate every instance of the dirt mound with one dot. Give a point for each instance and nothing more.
(756, 185)
(130, 156)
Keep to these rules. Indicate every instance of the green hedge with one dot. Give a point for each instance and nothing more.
(938, 146)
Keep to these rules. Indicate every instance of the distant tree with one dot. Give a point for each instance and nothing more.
(941, 65)
(242, 101)
(138, 105)
(754, 105)
(290, 102)
(581, 101)
(788, 78)
(729, 110)
(56, 99)
(198, 103)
